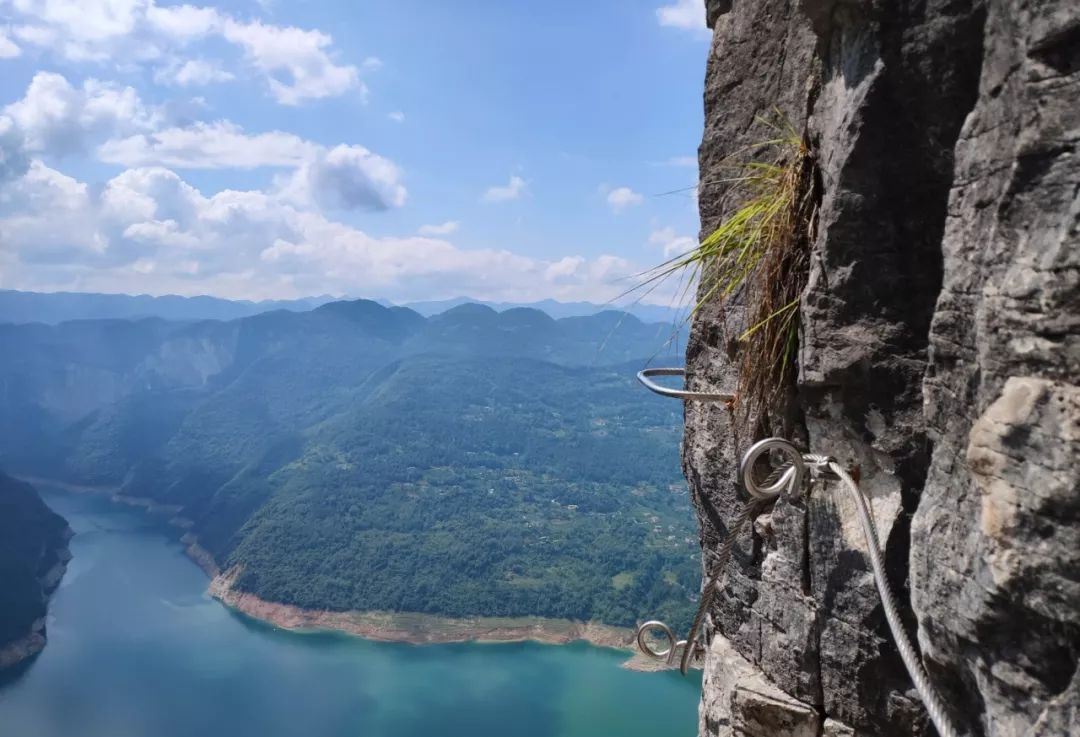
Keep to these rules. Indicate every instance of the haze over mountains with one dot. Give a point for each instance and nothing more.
(357, 456)
(56, 307)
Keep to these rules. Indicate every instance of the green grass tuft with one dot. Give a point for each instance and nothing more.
(761, 252)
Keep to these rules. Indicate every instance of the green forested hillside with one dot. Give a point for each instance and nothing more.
(359, 457)
(477, 488)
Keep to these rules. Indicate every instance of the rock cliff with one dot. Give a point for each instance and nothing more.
(939, 347)
(33, 556)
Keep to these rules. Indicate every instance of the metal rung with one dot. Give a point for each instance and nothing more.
(645, 375)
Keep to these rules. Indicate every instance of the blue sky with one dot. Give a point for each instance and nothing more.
(406, 149)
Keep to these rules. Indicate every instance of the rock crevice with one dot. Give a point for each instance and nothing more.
(938, 353)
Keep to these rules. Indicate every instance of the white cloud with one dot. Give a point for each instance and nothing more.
(54, 118)
(13, 156)
(511, 191)
(147, 230)
(8, 48)
(672, 243)
(84, 22)
(397, 116)
(622, 197)
(60, 119)
(347, 177)
(686, 14)
(450, 226)
(297, 64)
(42, 187)
(217, 145)
(564, 269)
(36, 35)
(194, 72)
(298, 55)
(183, 22)
(150, 195)
(164, 233)
(51, 212)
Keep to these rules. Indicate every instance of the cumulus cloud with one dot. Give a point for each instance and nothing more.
(192, 73)
(565, 269)
(149, 230)
(55, 118)
(215, 145)
(81, 31)
(8, 48)
(150, 194)
(183, 22)
(60, 119)
(13, 157)
(622, 197)
(397, 116)
(671, 243)
(347, 177)
(511, 191)
(686, 14)
(450, 226)
(51, 211)
(296, 64)
(296, 54)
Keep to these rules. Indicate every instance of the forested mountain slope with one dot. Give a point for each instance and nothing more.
(33, 551)
(364, 457)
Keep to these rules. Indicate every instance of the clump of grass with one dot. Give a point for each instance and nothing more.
(759, 252)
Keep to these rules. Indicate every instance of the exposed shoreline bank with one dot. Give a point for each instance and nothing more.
(416, 628)
(406, 627)
(21, 650)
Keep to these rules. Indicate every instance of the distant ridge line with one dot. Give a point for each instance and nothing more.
(21, 307)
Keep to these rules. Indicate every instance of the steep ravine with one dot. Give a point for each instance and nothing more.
(939, 350)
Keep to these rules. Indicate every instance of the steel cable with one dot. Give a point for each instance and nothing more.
(934, 705)
(748, 513)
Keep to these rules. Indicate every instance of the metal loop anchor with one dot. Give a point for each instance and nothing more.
(674, 645)
(645, 377)
(791, 474)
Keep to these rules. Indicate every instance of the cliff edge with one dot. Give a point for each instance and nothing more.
(939, 346)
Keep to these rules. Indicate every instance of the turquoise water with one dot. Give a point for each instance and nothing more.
(137, 649)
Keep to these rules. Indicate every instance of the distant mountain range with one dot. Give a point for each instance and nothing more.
(643, 312)
(56, 307)
(358, 456)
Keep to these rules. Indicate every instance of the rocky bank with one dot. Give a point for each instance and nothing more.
(416, 628)
(33, 557)
(939, 351)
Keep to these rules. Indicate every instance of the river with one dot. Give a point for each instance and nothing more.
(137, 649)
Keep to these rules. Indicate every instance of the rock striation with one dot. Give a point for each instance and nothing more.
(939, 352)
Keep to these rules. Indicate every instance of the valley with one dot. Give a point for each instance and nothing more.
(359, 458)
(136, 647)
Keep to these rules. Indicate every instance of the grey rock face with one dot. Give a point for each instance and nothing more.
(947, 250)
(996, 576)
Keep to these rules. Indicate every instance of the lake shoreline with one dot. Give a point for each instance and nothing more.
(21, 650)
(415, 628)
(404, 627)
